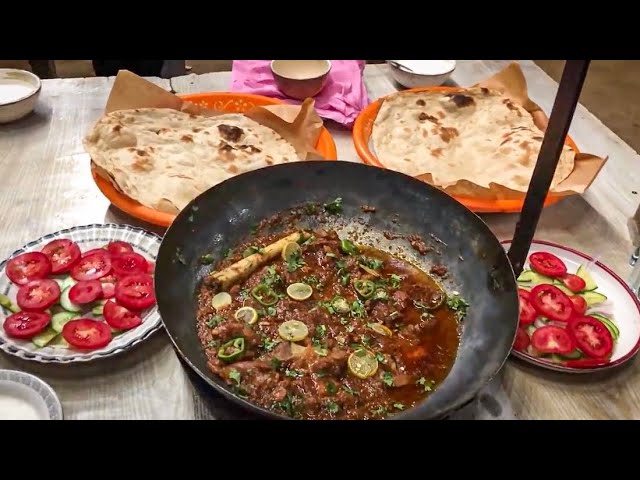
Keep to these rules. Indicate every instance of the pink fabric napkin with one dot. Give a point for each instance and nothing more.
(341, 100)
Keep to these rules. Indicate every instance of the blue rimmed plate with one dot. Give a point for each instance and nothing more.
(26, 397)
(87, 237)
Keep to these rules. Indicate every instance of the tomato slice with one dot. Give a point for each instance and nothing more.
(547, 264)
(136, 292)
(522, 340)
(129, 264)
(86, 291)
(573, 282)
(151, 267)
(119, 317)
(26, 324)
(92, 267)
(118, 247)
(28, 266)
(528, 314)
(579, 304)
(591, 336)
(87, 334)
(38, 294)
(552, 339)
(62, 253)
(522, 293)
(551, 302)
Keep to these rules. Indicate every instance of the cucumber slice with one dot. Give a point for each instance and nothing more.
(60, 319)
(65, 282)
(561, 286)
(44, 337)
(593, 298)
(588, 279)
(540, 322)
(59, 341)
(6, 302)
(526, 276)
(115, 331)
(575, 355)
(66, 303)
(530, 329)
(612, 327)
(97, 310)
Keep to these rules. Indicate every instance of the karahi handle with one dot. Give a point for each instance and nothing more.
(555, 135)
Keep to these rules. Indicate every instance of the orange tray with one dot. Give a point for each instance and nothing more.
(222, 101)
(362, 133)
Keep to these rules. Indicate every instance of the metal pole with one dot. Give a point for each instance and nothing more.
(564, 107)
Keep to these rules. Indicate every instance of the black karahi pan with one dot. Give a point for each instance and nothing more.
(479, 268)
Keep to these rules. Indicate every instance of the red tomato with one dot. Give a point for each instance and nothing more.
(579, 304)
(129, 264)
(522, 340)
(551, 302)
(117, 247)
(28, 266)
(135, 292)
(62, 253)
(528, 314)
(591, 336)
(547, 264)
(87, 334)
(522, 293)
(86, 291)
(552, 339)
(119, 317)
(573, 282)
(151, 267)
(108, 290)
(38, 294)
(26, 324)
(92, 267)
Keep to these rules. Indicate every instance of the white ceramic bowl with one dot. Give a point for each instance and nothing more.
(19, 92)
(421, 73)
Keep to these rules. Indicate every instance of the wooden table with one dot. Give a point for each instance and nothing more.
(46, 186)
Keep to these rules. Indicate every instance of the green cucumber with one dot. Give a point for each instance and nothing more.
(612, 327)
(533, 278)
(6, 302)
(97, 310)
(562, 287)
(526, 276)
(575, 355)
(530, 329)
(115, 331)
(44, 337)
(59, 320)
(593, 298)
(588, 279)
(67, 304)
(59, 341)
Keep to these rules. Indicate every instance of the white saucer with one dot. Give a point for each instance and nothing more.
(25, 397)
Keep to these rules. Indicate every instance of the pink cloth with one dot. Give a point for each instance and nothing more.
(341, 100)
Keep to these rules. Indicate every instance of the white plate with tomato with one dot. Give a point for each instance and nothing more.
(79, 294)
(576, 314)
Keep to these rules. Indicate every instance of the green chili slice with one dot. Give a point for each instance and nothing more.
(380, 294)
(232, 349)
(265, 295)
(348, 247)
(365, 288)
(340, 304)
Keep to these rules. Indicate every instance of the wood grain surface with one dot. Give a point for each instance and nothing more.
(46, 186)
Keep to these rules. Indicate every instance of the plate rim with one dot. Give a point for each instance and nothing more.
(56, 403)
(8, 348)
(622, 360)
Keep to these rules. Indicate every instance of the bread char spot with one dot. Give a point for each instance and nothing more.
(436, 152)
(230, 133)
(420, 103)
(460, 100)
(448, 133)
(186, 138)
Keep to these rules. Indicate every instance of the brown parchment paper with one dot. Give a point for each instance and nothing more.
(300, 125)
(511, 82)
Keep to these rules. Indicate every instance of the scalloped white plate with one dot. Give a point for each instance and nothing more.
(87, 237)
(623, 307)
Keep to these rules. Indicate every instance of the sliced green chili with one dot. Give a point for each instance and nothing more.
(340, 304)
(365, 288)
(348, 247)
(232, 349)
(265, 295)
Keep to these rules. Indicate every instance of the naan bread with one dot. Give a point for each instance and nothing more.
(164, 158)
(477, 135)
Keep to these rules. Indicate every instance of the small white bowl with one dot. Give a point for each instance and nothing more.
(421, 73)
(26, 397)
(19, 92)
(301, 79)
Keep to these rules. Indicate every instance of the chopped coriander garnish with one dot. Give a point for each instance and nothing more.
(214, 321)
(321, 330)
(379, 410)
(294, 262)
(293, 373)
(206, 259)
(426, 384)
(357, 309)
(269, 344)
(458, 304)
(332, 407)
(331, 388)
(399, 406)
(380, 357)
(227, 253)
(372, 263)
(348, 247)
(235, 376)
(387, 378)
(334, 207)
(276, 363)
(395, 280)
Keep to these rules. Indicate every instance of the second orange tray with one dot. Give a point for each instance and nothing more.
(362, 133)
